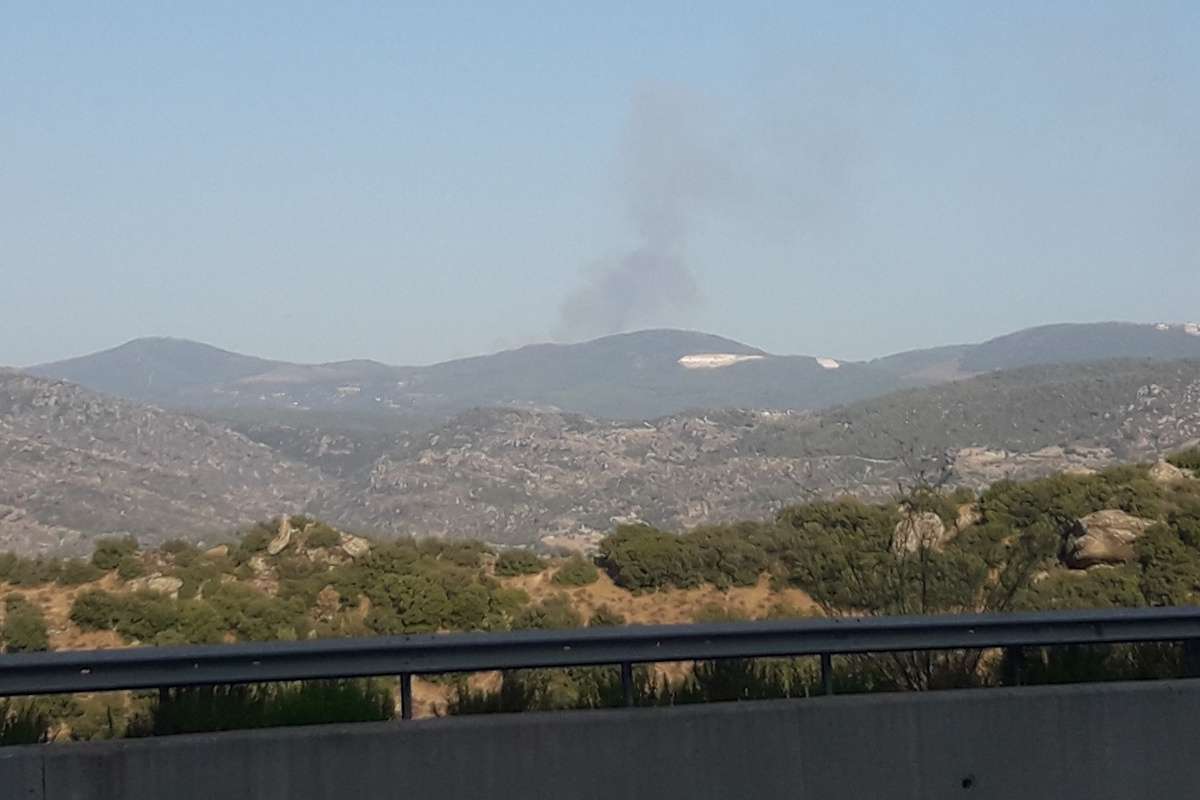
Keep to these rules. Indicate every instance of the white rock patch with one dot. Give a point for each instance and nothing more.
(1192, 329)
(714, 360)
(828, 363)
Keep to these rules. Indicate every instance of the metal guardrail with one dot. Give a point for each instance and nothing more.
(161, 667)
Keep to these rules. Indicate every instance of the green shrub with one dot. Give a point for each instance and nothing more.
(223, 708)
(518, 562)
(110, 550)
(641, 557)
(76, 571)
(130, 567)
(95, 610)
(34, 571)
(24, 629)
(321, 535)
(23, 722)
(553, 612)
(577, 571)
(1186, 459)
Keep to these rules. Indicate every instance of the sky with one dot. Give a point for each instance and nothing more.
(417, 182)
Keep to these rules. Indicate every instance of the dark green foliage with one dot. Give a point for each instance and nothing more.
(727, 555)
(255, 540)
(110, 550)
(1078, 663)
(23, 722)
(577, 571)
(255, 616)
(553, 612)
(95, 610)
(518, 562)
(130, 567)
(24, 629)
(222, 708)
(1170, 568)
(641, 557)
(321, 535)
(1099, 587)
(33, 571)
(1186, 459)
(76, 571)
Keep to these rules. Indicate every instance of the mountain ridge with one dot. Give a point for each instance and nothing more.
(626, 376)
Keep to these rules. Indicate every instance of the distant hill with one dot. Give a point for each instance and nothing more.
(629, 376)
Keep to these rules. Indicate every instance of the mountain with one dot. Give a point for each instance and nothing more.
(76, 464)
(628, 376)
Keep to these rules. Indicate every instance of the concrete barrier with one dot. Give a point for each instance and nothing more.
(1094, 741)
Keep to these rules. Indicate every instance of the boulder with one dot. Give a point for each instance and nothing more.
(283, 538)
(220, 551)
(1162, 472)
(355, 546)
(1105, 537)
(921, 530)
(165, 584)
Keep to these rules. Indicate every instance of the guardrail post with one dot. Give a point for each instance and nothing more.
(627, 683)
(1191, 658)
(406, 695)
(827, 673)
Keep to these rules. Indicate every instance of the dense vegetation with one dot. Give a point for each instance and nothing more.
(927, 552)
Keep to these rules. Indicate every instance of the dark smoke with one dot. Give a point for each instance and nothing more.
(671, 167)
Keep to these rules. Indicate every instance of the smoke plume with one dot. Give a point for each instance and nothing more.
(672, 167)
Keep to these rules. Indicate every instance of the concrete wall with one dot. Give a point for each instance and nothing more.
(1104, 741)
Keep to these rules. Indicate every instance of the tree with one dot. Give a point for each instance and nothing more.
(518, 562)
(577, 571)
(110, 550)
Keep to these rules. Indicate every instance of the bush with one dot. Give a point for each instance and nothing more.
(641, 557)
(95, 610)
(1186, 459)
(110, 550)
(518, 562)
(577, 571)
(23, 723)
(322, 535)
(553, 612)
(76, 571)
(223, 708)
(130, 567)
(24, 628)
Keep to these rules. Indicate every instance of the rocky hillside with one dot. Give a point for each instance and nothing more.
(78, 464)
(511, 476)
(75, 463)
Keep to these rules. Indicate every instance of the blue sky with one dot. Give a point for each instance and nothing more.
(417, 182)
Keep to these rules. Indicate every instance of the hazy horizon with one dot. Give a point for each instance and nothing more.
(412, 185)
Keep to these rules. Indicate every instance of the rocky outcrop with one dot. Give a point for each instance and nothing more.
(1105, 537)
(920, 531)
(1162, 472)
(355, 546)
(283, 538)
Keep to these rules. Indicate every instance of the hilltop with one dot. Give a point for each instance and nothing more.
(629, 376)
